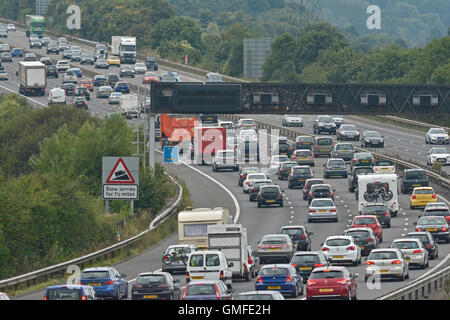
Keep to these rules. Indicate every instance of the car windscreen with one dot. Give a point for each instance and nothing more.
(337, 242)
(348, 127)
(94, 274)
(274, 271)
(301, 171)
(322, 203)
(325, 119)
(303, 153)
(373, 134)
(423, 191)
(405, 245)
(421, 237)
(441, 213)
(250, 170)
(431, 221)
(64, 294)
(382, 255)
(256, 176)
(273, 240)
(200, 290)
(327, 274)
(416, 175)
(383, 163)
(438, 151)
(149, 279)
(288, 165)
(248, 122)
(196, 260)
(359, 234)
(364, 221)
(337, 163)
(305, 259)
(324, 142)
(344, 147)
(438, 131)
(305, 139)
(363, 171)
(259, 296)
(270, 190)
(294, 232)
(373, 209)
(261, 183)
(320, 189)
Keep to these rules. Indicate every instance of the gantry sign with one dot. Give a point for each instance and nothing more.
(303, 98)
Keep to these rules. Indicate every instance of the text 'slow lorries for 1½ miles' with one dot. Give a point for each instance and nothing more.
(32, 78)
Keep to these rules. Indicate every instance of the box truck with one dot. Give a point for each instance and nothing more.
(32, 78)
(129, 105)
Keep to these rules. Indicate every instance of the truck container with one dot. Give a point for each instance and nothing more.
(32, 78)
(231, 239)
(125, 48)
(129, 105)
(207, 141)
(176, 128)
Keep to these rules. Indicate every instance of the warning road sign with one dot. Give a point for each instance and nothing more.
(120, 174)
(120, 178)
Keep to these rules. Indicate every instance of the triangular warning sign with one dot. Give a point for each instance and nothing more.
(120, 174)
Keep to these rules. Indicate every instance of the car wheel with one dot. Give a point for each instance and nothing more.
(295, 293)
(281, 205)
(259, 205)
(126, 293)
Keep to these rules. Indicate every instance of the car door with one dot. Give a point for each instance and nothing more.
(121, 281)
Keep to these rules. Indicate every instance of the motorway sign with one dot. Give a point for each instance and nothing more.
(120, 178)
(170, 154)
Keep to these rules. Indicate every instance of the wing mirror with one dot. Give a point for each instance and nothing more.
(356, 275)
(176, 280)
(123, 275)
(230, 264)
(310, 233)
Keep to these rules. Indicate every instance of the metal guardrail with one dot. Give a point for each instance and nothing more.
(60, 269)
(413, 122)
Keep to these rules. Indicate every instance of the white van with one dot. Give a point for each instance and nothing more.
(209, 265)
(57, 95)
(378, 188)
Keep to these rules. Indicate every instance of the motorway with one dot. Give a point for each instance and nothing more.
(206, 193)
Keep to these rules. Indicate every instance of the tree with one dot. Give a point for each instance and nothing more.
(176, 29)
(282, 54)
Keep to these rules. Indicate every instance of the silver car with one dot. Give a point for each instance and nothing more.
(437, 135)
(114, 98)
(276, 162)
(347, 132)
(104, 92)
(140, 68)
(292, 120)
(3, 75)
(70, 77)
(415, 252)
(250, 177)
(225, 159)
(342, 249)
(339, 120)
(343, 151)
(276, 247)
(260, 295)
(322, 209)
(175, 257)
(386, 263)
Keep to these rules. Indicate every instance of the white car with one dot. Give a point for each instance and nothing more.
(248, 134)
(292, 120)
(437, 135)
(386, 263)
(276, 162)
(260, 295)
(246, 124)
(209, 265)
(384, 166)
(140, 68)
(11, 27)
(62, 66)
(3, 75)
(226, 124)
(57, 95)
(250, 178)
(342, 249)
(416, 254)
(438, 154)
(338, 120)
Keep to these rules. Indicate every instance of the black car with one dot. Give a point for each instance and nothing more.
(80, 102)
(51, 71)
(298, 176)
(82, 91)
(46, 60)
(87, 58)
(112, 79)
(304, 142)
(413, 178)
(353, 178)
(304, 262)
(155, 286)
(30, 57)
(372, 139)
(299, 236)
(3, 34)
(428, 242)
(320, 191)
(151, 63)
(269, 195)
(254, 189)
(380, 211)
(69, 88)
(211, 118)
(364, 237)
(243, 171)
(127, 71)
(52, 48)
(284, 148)
(362, 159)
(285, 169)
(308, 184)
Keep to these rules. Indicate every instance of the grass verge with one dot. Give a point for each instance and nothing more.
(396, 123)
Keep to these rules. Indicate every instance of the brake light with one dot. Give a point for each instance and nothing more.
(254, 189)
(288, 278)
(83, 298)
(281, 170)
(45, 298)
(259, 279)
(332, 210)
(312, 156)
(247, 182)
(137, 286)
(303, 237)
(342, 281)
(444, 229)
(315, 146)
(184, 293)
(413, 196)
(284, 246)
(295, 157)
(371, 239)
(419, 229)
(310, 283)
(373, 159)
(386, 214)
(221, 275)
(250, 260)
(311, 210)
(447, 218)
(108, 282)
(330, 194)
(370, 262)
(434, 196)
(310, 194)
(417, 251)
(294, 265)
(217, 292)
(356, 160)
(429, 246)
(318, 265)
(351, 248)
(83, 283)
(188, 276)
(396, 262)
(325, 249)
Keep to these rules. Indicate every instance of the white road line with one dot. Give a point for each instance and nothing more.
(35, 101)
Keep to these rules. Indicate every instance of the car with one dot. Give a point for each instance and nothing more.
(335, 167)
(339, 120)
(437, 209)
(260, 295)
(342, 249)
(386, 263)
(323, 146)
(319, 191)
(441, 155)
(362, 159)
(244, 171)
(209, 265)
(122, 87)
(149, 77)
(75, 49)
(306, 261)
(412, 178)
(35, 43)
(3, 75)
(414, 250)
(384, 166)
(106, 281)
(6, 57)
(249, 178)
(300, 236)
(151, 63)
(62, 65)
(140, 68)
(322, 209)
(298, 176)
(57, 95)
(63, 47)
(52, 72)
(308, 184)
(175, 75)
(99, 55)
(114, 98)
(69, 88)
(208, 117)
(421, 196)
(333, 282)
(76, 56)
(17, 52)
(4, 47)
(269, 195)
(304, 142)
(282, 147)
(34, 37)
(207, 290)
(347, 132)
(275, 247)
(324, 124)
(303, 157)
(112, 79)
(246, 124)
(4, 296)
(167, 78)
(104, 92)
(229, 125)
(290, 120)
(45, 41)
(253, 261)
(11, 27)
(52, 48)
(87, 58)
(70, 292)
(77, 72)
(372, 139)
(113, 61)
(155, 286)
(281, 277)
(435, 225)
(213, 77)
(247, 135)
(87, 84)
(102, 48)
(368, 221)
(83, 91)
(67, 54)
(428, 242)
(343, 151)
(30, 57)
(364, 237)
(80, 102)
(378, 210)
(101, 64)
(4, 33)
(46, 60)
(225, 159)
(437, 136)
(70, 76)
(99, 80)
(285, 169)
(127, 71)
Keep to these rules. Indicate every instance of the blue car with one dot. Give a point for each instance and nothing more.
(280, 277)
(177, 77)
(77, 72)
(17, 52)
(70, 292)
(122, 87)
(106, 281)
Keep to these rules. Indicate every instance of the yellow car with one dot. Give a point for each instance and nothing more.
(113, 60)
(421, 196)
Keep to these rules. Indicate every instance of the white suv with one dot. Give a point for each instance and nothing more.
(437, 135)
(62, 66)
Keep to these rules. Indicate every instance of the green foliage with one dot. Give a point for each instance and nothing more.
(12, 106)
(153, 189)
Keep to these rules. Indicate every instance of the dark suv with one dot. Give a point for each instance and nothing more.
(362, 159)
(308, 184)
(270, 194)
(320, 191)
(285, 169)
(299, 235)
(82, 91)
(298, 176)
(353, 178)
(413, 178)
(304, 142)
(254, 189)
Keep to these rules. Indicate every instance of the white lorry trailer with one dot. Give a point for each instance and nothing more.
(231, 239)
(129, 105)
(32, 78)
(378, 188)
(125, 48)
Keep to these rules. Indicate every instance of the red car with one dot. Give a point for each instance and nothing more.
(371, 222)
(331, 282)
(150, 76)
(87, 84)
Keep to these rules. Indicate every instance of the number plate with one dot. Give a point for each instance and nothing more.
(326, 290)
(408, 259)
(197, 277)
(384, 271)
(94, 284)
(153, 296)
(270, 201)
(305, 268)
(416, 185)
(274, 249)
(338, 257)
(431, 229)
(274, 287)
(361, 247)
(301, 179)
(322, 211)
(303, 158)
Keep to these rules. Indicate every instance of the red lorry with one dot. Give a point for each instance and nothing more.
(207, 141)
(175, 128)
